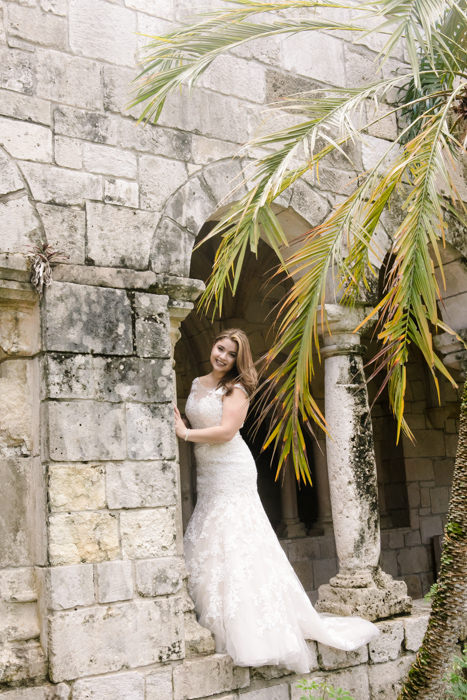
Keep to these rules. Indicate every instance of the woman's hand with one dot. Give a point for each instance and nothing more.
(180, 427)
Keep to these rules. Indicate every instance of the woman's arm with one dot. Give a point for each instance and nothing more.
(235, 408)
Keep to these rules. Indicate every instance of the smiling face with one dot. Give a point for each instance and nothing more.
(223, 355)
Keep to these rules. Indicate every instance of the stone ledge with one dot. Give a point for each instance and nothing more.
(181, 288)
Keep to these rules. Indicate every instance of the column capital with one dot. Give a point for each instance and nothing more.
(340, 323)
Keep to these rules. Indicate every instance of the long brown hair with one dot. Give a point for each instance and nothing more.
(243, 372)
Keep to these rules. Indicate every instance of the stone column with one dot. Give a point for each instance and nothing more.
(291, 525)
(360, 587)
(324, 522)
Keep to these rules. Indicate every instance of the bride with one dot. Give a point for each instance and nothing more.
(243, 586)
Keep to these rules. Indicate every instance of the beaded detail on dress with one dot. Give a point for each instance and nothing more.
(243, 586)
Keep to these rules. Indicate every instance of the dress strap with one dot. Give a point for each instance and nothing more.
(240, 386)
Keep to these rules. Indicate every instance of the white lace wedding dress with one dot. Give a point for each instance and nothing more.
(243, 586)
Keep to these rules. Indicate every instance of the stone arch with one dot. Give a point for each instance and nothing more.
(200, 198)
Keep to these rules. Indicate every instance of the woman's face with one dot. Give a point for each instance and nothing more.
(223, 355)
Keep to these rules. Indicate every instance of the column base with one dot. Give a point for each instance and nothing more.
(372, 595)
(288, 529)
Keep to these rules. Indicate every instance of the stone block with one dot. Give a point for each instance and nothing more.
(19, 106)
(235, 76)
(108, 160)
(152, 326)
(30, 24)
(308, 203)
(17, 70)
(18, 585)
(56, 7)
(159, 178)
(76, 487)
(68, 586)
(429, 443)
(68, 152)
(121, 192)
(82, 318)
(197, 678)
(374, 149)
(385, 128)
(386, 679)
(304, 571)
(148, 533)
(414, 560)
(430, 526)
(154, 139)
(17, 431)
(206, 150)
(172, 248)
(80, 431)
(18, 225)
(159, 576)
(110, 638)
(87, 125)
(114, 581)
(18, 621)
(117, 87)
(323, 570)
(141, 484)
(308, 54)
(273, 692)
(163, 8)
(418, 469)
(198, 199)
(103, 31)
(199, 641)
(58, 186)
(118, 236)
(415, 628)
(440, 499)
(23, 662)
(65, 230)
(387, 646)
(25, 140)
(331, 658)
(159, 685)
(60, 77)
(10, 180)
(150, 434)
(69, 376)
(83, 537)
(124, 686)
(147, 380)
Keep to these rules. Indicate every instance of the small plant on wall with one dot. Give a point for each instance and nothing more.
(320, 690)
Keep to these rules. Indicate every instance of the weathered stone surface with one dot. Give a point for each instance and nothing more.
(194, 203)
(119, 236)
(128, 686)
(159, 177)
(17, 70)
(159, 685)
(18, 225)
(103, 639)
(18, 585)
(387, 646)
(331, 658)
(10, 180)
(23, 662)
(83, 537)
(56, 185)
(114, 581)
(33, 25)
(308, 203)
(141, 484)
(64, 230)
(171, 249)
(199, 641)
(235, 76)
(121, 192)
(100, 30)
(19, 106)
(18, 621)
(148, 533)
(159, 576)
(201, 677)
(82, 124)
(69, 376)
(17, 424)
(116, 81)
(68, 152)
(81, 318)
(386, 679)
(274, 692)
(133, 379)
(68, 586)
(24, 140)
(308, 54)
(73, 435)
(415, 628)
(150, 434)
(60, 77)
(76, 487)
(108, 160)
(152, 326)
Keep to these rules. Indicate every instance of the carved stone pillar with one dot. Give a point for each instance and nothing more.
(291, 525)
(360, 587)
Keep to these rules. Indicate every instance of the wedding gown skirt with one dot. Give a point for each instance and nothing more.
(244, 589)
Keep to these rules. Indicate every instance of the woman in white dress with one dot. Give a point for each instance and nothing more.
(243, 586)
